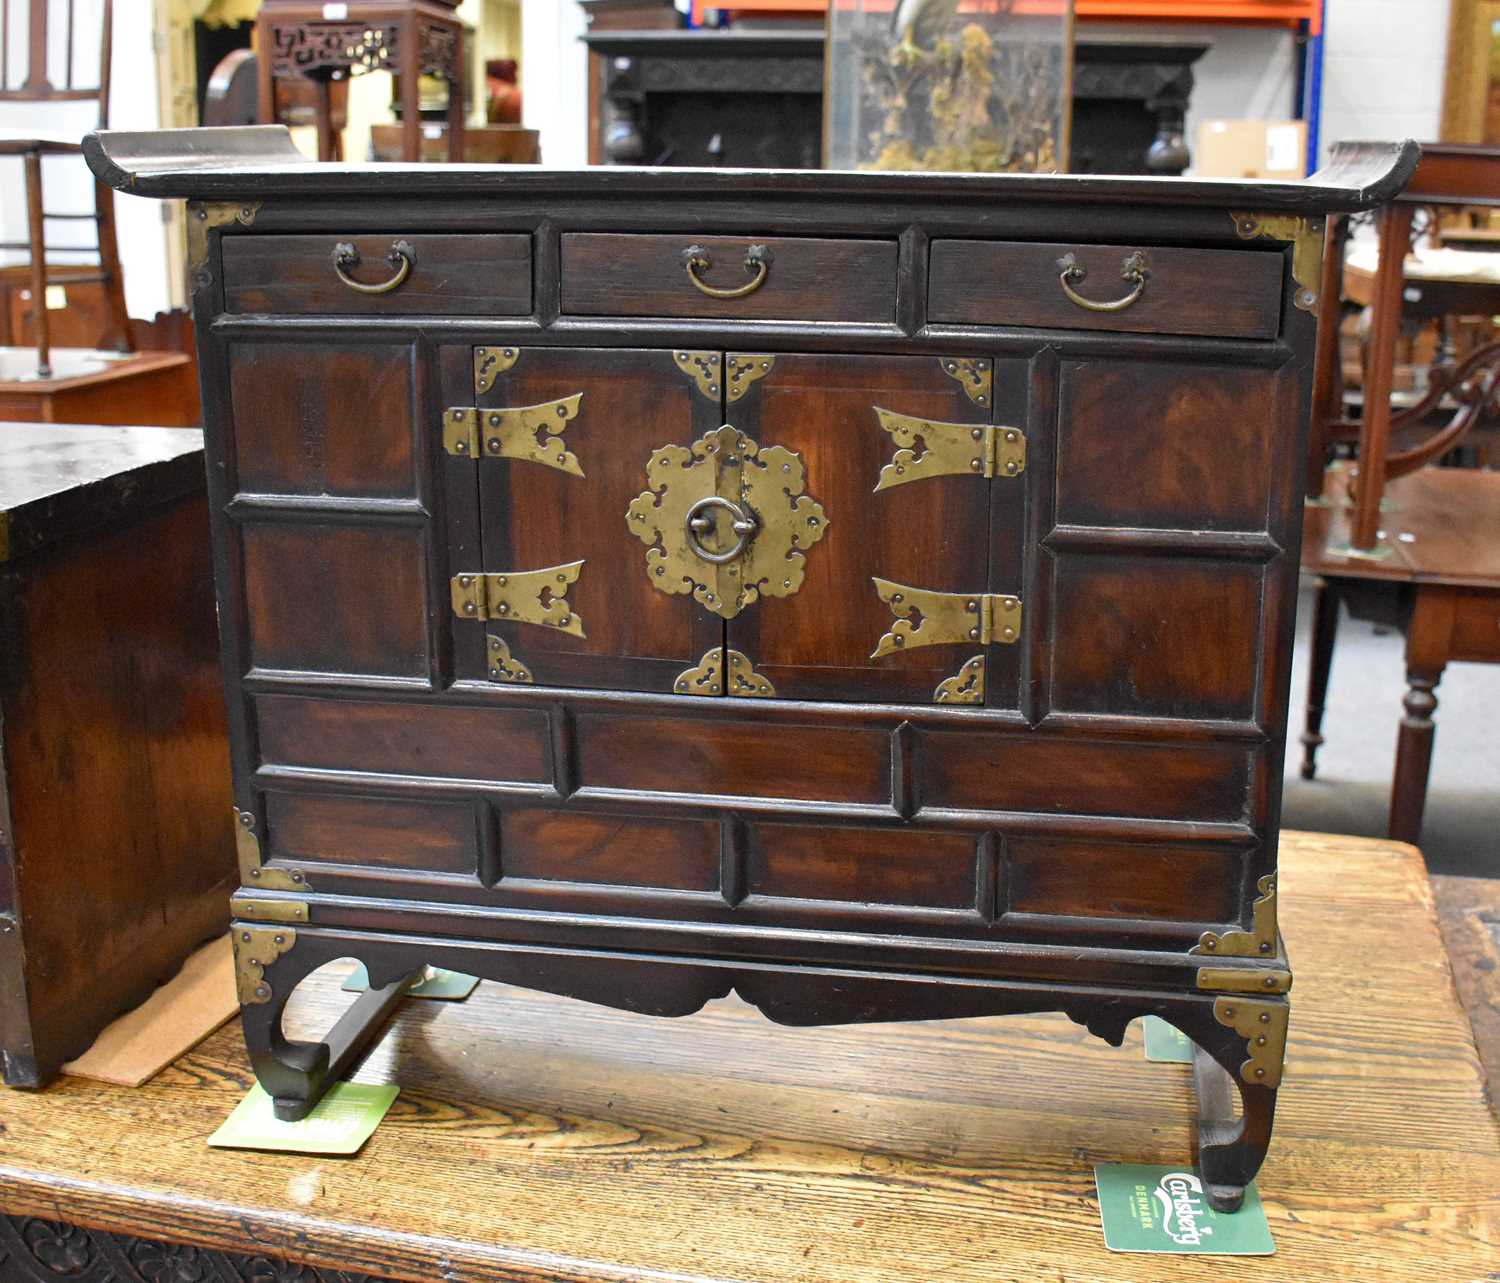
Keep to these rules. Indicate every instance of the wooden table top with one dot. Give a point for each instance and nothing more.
(542, 1139)
(1441, 524)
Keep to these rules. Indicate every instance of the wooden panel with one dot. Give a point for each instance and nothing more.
(614, 850)
(809, 279)
(1198, 885)
(975, 771)
(1170, 446)
(116, 845)
(454, 742)
(432, 837)
(1228, 293)
(1476, 625)
(744, 758)
(1158, 637)
(864, 866)
(931, 533)
(637, 637)
(336, 599)
(334, 419)
(452, 275)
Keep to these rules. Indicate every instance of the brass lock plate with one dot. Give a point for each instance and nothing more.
(726, 520)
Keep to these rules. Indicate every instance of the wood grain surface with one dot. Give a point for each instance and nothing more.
(541, 1139)
(1469, 918)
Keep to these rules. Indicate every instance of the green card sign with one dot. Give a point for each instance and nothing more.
(1165, 1209)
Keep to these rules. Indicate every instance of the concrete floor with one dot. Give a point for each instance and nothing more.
(1351, 794)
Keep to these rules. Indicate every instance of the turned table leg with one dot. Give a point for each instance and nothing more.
(1325, 630)
(1428, 639)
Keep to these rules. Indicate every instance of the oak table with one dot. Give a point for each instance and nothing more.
(537, 1138)
(1440, 585)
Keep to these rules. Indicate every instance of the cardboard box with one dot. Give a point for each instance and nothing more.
(1251, 149)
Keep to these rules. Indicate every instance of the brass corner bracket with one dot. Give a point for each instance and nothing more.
(503, 667)
(255, 949)
(724, 672)
(202, 218)
(1259, 941)
(1245, 979)
(705, 369)
(253, 873)
(1263, 1026)
(1305, 235)
(743, 369)
(974, 374)
(965, 686)
(490, 363)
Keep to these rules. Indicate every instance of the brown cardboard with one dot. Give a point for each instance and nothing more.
(173, 1020)
(1251, 149)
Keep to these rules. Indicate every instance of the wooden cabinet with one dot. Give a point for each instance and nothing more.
(836, 588)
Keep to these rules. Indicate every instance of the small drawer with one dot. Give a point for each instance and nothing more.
(1218, 293)
(379, 275)
(740, 277)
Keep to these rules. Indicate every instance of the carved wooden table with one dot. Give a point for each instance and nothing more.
(828, 587)
(1440, 586)
(539, 1140)
(320, 42)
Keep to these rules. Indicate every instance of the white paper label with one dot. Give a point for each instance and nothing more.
(432, 131)
(1282, 145)
(335, 12)
(57, 298)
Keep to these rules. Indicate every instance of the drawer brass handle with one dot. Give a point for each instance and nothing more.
(401, 258)
(1132, 269)
(696, 259)
(700, 522)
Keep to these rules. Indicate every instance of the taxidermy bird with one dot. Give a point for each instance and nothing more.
(918, 23)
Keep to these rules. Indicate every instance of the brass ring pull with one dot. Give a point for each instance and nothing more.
(401, 258)
(1132, 269)
(700, 522)
(696, 259)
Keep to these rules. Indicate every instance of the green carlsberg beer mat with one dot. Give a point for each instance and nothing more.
(451, 986)
(339, 1124)
(1165, 1209)
(1165, 1042)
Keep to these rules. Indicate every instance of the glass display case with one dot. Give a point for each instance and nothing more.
(976, 85)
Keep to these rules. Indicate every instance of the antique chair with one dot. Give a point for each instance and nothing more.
(1434, 570)
(34, 25)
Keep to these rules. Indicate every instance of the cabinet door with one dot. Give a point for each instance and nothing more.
(560, 438)
(869, 432)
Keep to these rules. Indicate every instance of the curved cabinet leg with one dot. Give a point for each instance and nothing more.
(1240, 1052)
(296, 1074)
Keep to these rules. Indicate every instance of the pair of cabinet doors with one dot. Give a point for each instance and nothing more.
(808, 526)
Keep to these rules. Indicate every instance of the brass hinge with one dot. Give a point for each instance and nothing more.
(942, 618)
(529, 432)
(1259, 941)
(255, 949)
(521, 597)
(1306, 236)
(948, 449)
(1262, 1024)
